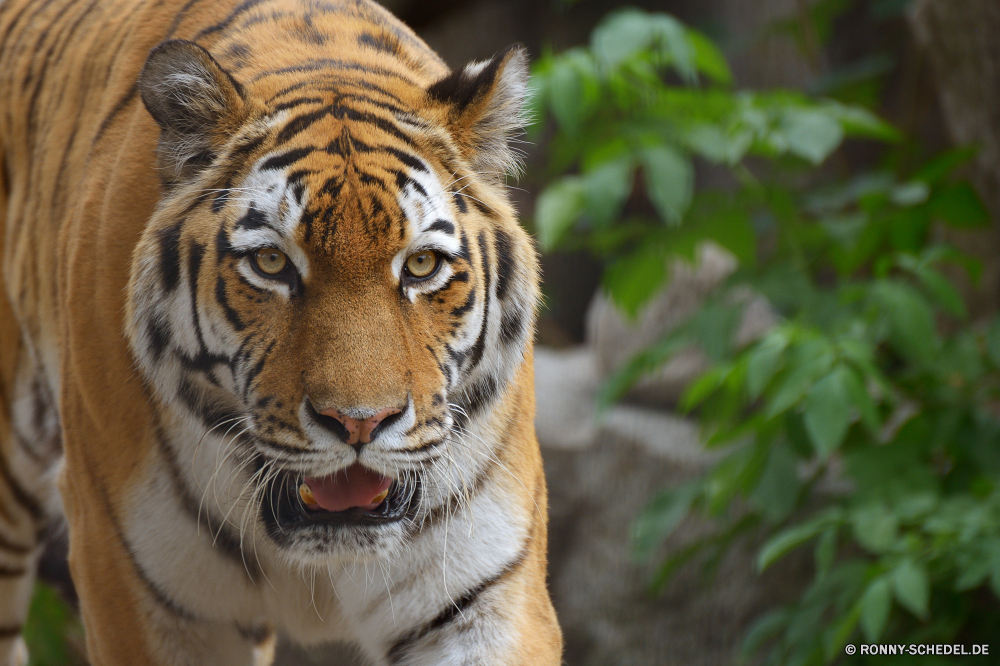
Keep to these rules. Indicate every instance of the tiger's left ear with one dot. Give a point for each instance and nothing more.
(196, 103)
(484, 107)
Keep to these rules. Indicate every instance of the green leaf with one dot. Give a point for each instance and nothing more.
(912, 587)
(875, 527)
(635, 278)
(628, 32)
(826, 551)
(702, 388)
(960, 206)
(661, 517)
(910, 319)
(709, 59)
(942, 290)
(945, 163)
(557, 209)
(647, 361)
(573, 90)
(51, 629)
(811, 133)
(716, 144)
(973, 573)
(788, 539)
(993, 342)
(875, 606)
(828, 411)
(810, 363)
(669, 181)
(861, 399)
(606, 187)
(764, 629)
(835, 638)
(777, 489)
(763, 361)
(858, 121)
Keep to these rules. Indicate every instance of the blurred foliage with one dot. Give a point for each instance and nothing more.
(53, 631)
(631, 103)
(864, 426)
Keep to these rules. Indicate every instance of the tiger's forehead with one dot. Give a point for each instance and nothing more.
(343, 198)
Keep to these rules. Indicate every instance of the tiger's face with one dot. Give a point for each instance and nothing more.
(330, 294)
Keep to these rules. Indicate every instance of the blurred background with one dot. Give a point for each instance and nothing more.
(768, 359)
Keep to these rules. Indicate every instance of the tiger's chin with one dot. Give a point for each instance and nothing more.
(308, 532)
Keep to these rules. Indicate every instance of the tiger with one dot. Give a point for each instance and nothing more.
(266, 335)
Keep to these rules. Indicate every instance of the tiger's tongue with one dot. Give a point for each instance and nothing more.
(355, 486)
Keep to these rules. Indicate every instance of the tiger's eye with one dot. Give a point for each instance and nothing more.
(270, 260)
(422, 264)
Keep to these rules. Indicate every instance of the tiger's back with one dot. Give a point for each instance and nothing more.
(183, 393)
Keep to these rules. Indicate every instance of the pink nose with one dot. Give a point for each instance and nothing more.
(360, 430)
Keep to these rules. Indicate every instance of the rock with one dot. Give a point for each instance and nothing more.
(566, 384)
(616, 340)
(601, 592)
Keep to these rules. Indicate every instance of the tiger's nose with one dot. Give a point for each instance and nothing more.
(360, 430)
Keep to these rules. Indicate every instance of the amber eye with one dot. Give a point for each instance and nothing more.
(270, 261)
(421, 264)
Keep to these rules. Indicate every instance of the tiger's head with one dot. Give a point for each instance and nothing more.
(334, 289)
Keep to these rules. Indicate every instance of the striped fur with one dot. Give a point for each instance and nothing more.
(170, 391)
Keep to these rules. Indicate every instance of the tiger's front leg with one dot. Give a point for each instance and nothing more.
(504, 621)
(130, 621)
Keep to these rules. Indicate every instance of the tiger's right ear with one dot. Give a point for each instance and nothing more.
(196, 103)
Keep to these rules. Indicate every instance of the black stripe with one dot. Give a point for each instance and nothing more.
(477, 349)
(455, 503)
(278, 162)
(9, 631)
(170, 255)
(254, 219)
(381, 42)
(115, 110)
(158, 595)
(460, 202)
(316, 64)
(195, 253)
(158, 333)
(442, 225)
(226, 22)
(21, 496)
(477, 397)
(335, 84)
(454, 610)
(240, 152)
(470, 302)
(298, 101)
(384, 124)
(301, 123)
(12, 572)
(505, 262)
(406, 158)
(232, 316)
(256, 635)
(511, 326)
(15, 548)
(222, 537)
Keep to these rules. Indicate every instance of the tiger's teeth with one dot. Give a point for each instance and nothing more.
(306, 493)
(381, 496)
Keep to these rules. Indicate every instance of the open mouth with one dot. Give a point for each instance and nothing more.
(352, 496)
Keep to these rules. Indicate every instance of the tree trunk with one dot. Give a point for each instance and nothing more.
(961, 40)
